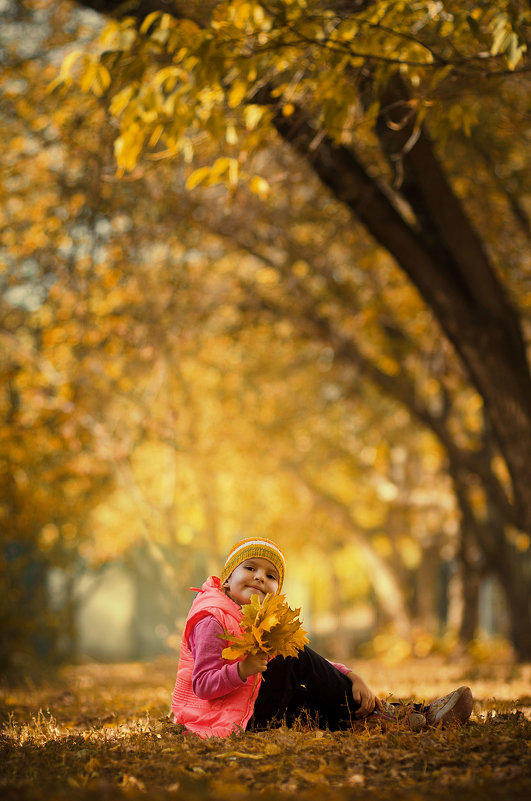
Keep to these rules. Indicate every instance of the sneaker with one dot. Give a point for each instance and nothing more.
(388, 713)
(416, 720)
(392, 713)
(454, 708)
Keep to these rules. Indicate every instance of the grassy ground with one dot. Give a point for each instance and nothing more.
(100, 731)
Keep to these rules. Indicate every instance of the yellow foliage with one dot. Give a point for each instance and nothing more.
(270, 627)
(121, 100)
(224, 59)
(410, 552)
(128, 146)
(259, 186)
(252, 115)
(197, 177)
(149, 20)
(237, 93)
(111, 277)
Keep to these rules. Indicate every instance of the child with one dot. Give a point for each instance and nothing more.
(214, 697)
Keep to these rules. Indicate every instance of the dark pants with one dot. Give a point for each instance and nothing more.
(304, 686)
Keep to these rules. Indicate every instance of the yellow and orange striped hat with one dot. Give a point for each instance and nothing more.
(254, 547)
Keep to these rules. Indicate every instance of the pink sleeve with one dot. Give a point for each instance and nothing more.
(341, 667)
(212, 677)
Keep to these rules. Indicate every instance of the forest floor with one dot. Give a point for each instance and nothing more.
(100, 731)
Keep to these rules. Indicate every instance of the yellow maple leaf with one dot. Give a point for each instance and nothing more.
(270, 627)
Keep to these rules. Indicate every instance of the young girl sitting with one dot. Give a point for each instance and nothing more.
(214, 697)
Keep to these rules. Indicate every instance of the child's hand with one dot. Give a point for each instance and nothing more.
(363, 696)
(253, 663)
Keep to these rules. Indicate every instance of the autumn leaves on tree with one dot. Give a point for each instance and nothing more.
(363, 95)
(334, 326)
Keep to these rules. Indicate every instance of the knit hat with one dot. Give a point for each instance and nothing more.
(254, 547)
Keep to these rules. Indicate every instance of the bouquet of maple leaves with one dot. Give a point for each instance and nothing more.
(270, 627)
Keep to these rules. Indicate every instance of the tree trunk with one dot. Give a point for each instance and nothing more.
(467, 299)
(426, 589)
(513, 570)
(470, 581)
(474, 310)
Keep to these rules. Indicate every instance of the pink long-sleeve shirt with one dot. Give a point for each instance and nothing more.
(211, 676)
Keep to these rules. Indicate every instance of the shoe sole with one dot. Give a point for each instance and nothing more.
(457, 709)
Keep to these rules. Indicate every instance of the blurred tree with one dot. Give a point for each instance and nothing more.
(183, 326)
(370, 97)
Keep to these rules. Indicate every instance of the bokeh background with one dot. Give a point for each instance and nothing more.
(181, 368)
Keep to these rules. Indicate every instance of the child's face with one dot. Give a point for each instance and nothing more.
(255, 576)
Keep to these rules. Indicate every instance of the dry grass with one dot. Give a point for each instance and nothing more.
(100, 731)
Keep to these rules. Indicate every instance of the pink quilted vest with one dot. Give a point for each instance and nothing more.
(218, 717)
